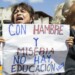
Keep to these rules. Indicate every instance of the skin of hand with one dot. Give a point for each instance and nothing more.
(1, 39)
(70, 41)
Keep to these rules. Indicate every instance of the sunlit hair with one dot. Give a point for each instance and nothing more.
(67, 11)
(23, 6)
(66, 7)
(58, 17)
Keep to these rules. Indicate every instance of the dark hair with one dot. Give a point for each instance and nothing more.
(24, 6)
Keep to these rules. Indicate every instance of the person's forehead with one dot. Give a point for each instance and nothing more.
(20, 8)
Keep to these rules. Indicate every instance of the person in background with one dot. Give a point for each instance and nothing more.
(70, 60)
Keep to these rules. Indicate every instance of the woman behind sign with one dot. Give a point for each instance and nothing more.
(22, 13)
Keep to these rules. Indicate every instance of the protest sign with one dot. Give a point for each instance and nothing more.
(34, 48)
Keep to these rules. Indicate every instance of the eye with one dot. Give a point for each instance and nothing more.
(23, 11)
(16, 11)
